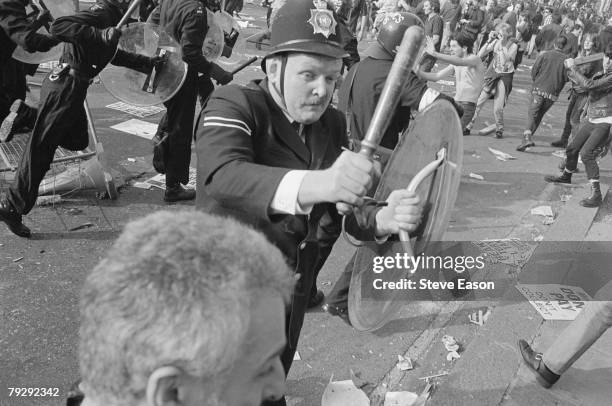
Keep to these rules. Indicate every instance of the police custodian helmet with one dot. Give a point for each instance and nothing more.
(307, 27)
(393, 28)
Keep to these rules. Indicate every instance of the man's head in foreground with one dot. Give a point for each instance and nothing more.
(186, 309)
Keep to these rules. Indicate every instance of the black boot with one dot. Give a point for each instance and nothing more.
(20, 115)
(527, 142)
(560, 143)
(595, 199)
(533, 360)
(565, 177)
(13, 219)
(176, 193)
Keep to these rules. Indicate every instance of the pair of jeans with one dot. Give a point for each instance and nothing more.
(572, 115)
(538, 106)
(589, 141)
(469, 108)
(499, 102)
(592, 322)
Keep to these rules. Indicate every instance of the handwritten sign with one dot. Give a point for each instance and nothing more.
(554, 301)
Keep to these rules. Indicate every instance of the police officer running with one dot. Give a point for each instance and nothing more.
(91, 44)
(17, 29)
(271, 154)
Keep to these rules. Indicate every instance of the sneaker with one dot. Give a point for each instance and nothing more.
(499, 134)
(8, 125)
(467, 131)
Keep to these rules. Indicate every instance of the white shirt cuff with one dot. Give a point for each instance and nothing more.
(285, 200)
(428, 97)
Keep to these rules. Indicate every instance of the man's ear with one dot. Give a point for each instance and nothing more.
(273, 69)
(162, 387)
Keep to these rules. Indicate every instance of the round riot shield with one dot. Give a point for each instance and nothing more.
(161, 83)
(435, 132)
(57, 8)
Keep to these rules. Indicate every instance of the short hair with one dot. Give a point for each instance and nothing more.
(463, 41)
(174, 290)
(560, 42)
(435, 5)
(557, 19)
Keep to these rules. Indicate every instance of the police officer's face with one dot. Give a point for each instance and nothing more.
(258, 374)
(309, 84)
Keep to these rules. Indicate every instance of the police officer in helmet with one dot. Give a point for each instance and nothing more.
(271, 154)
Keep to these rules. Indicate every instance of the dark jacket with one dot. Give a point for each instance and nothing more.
(605, 37)
(572, 47)
(245, 146)
(476, 18)
(186, 21)
(16, 29)
(85, 50)
(549, 74)
(600, 93)
(546, 38)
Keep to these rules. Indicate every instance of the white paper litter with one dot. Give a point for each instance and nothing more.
(159, 180)
(344, 393)
(502, 156)
(138, 111)
(554, 301)
(137, 127)
(542, 211)
(450, 343)
(488, 129)
(404, 398)
(476, 176)
(453, 355)
(404, 363)
(296, 356)
(479, 318)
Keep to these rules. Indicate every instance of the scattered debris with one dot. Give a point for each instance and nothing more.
(361, 382)
(404, 363)
(453, 355)
(479, 318)
(427, 378)
(326, 283)
(545, 211)
(81, 227)
(476, 176)
(548, 220)
(137, 127)
(131, 160)
(555, 301)
(342, 393)
(450, 343)
(564, 197)
(502, 156)
(142, 185)
(404, 398)
(17, 259)
(74, 211)
(296, 356)
(48, 200)
(539, 238)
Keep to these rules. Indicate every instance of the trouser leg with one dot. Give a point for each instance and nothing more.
(61, 118)
(482, 99)
(181, 112)
(469, 109)
(567, 127)
(573, 148)
(594, 320)
(12, 85)
(591, 147)
(499, 102)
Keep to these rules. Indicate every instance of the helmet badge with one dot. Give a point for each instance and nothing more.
(396, 17)
(322, 19)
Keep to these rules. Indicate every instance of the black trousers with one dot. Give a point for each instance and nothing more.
(61, 121)
(588, 143)
(12, 84)
(180, 112)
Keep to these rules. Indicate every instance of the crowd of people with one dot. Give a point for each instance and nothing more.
(277, 158)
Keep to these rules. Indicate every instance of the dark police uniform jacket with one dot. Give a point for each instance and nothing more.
(245, 146)
(186, 21)
(84, 50)
(15, 29)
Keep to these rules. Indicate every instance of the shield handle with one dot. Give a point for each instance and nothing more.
(412, 186)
